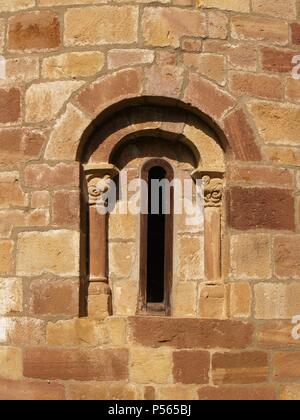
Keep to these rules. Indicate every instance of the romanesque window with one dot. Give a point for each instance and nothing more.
(143, 263)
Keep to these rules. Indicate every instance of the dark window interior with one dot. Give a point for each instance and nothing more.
(156, 242)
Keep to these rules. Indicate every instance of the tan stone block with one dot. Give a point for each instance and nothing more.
(76, 332)
(122, 226)
(15, 5)
(259, 28)
(213, 302)
(11, 364)
(240, 300)
(11, 296)
(123, 58)
(11, 193)
(55, 252)
(260, 85)
(283, 9)
(6, 257)
(150, 365)
(116, 330)
(13, 219)
(40, 199)
(293, 90)
(125, 298)
(251, 256)
(185, 299)
(2, 33)
(277, 123)
(21, 69)
(290, 392)
(277, 300)
(122, 258)
(191, 258)
(165, 26)
(276, 334)
(101, 25)
(44, 101)
(236, 6)
(217, 25)
(210, 65)
(25, 331)
(287, 256)
(102, 391)
(283, 155)
(72, 65)
(66, 135)
(176, 392)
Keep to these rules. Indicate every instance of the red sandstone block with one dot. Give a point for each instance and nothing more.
(30, 391)
(34, 31)
(286, 366)
(241, 137)
(54, 297)
(295, 28)
(238, 393)
(260, 208)
(66, 209)
(191, 367)
(77, 364)
(10, 105)
(190, 333)
(276, 60)
(240, 368)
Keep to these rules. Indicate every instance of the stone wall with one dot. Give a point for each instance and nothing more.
(66, 63)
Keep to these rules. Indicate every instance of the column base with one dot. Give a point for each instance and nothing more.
(99, 301)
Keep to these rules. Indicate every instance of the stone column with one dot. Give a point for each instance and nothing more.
(213, 193)
(99, 293)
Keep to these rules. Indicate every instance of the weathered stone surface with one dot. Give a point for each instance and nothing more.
(277, 300)
(213, 302)
(25, 331)
(290, 392)
(190, 262)
(101, 25)
(34, 31)
(76, 332)
(73, 65)
(253, 208)
(276, 334)
(19, 145)
(286, 366)
(287, 257)
(241, 136)
(260, 175)
(11, 295)
(66, 209)
(176, 392)
(6, 257)
(10, 105)
(210, 65)
(251, 257)
(277, 60)
(295, 27)
(190, 333)
(281, 8)
(258, 28)
(55, 252)
(191, 367)
(259, 85)
(102, 391)
(40, 176)
(277, 123)
(238, 393)
(11, 193)
(122, 259)
(121, 58)
(165, 26)
(16, 5)
(142, 361)
(44, 100)
(77, 364)
(10, 363)
(240, 300)
(231, 5)
(164, 81)
(240, 368)
(30, 391)
(54, 297)
(185, 299)
(110, 90)
(217, 25)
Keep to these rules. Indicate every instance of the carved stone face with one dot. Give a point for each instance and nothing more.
(213, 190)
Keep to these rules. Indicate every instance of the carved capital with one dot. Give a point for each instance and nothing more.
(213, 191)
(98, 178)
